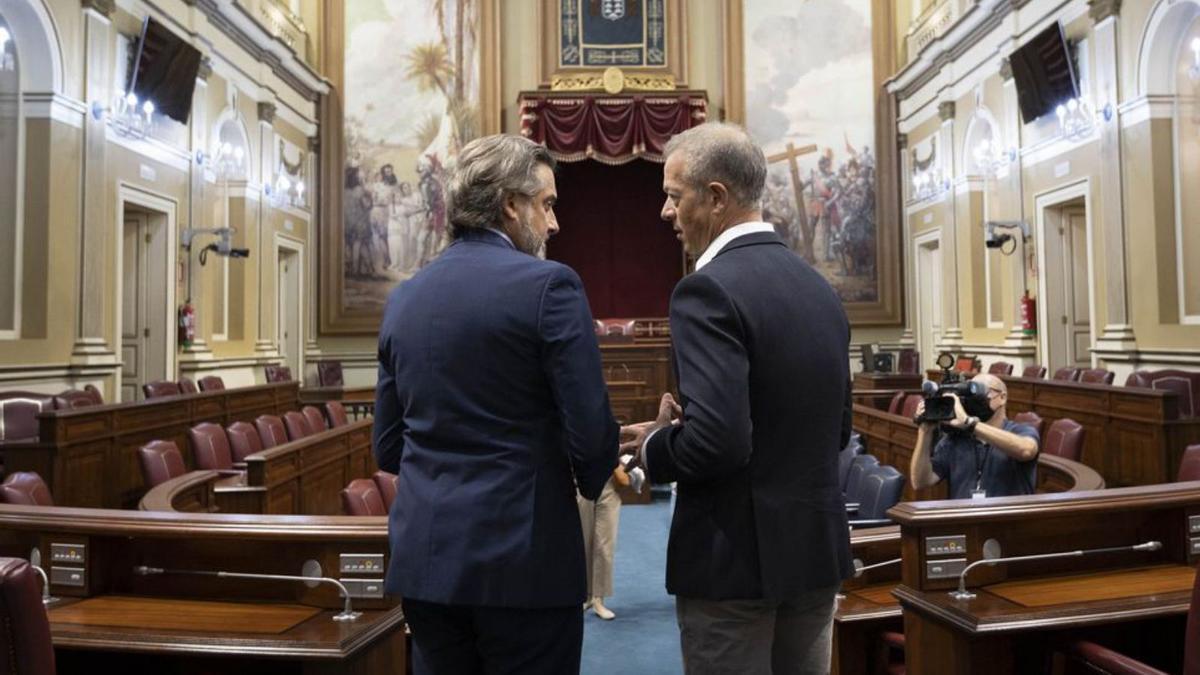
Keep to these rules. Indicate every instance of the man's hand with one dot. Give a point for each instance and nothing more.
(927, 424)
(960, 414)
(634, 435)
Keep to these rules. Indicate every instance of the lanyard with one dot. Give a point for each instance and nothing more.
(981, 467)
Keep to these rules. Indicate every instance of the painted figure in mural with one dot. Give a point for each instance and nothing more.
(357, 210)
(383, 205)
(823, 207)
(433, 191)
(404, 229)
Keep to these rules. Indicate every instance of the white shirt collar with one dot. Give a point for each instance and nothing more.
(502, 234)
(729, 235)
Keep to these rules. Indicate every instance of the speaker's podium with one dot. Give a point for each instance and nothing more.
(1112, 566)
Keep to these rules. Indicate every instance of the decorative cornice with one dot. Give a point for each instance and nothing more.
(105, 7)
(266, 112)
(1100, 10)
(946, 110)
(1006, 71)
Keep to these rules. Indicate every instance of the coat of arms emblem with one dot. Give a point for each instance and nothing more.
(612, 9)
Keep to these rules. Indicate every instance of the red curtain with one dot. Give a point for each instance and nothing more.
(611, 234)
(609, 129)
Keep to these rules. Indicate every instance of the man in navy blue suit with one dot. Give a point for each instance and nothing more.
(760, 343)
(492, 408)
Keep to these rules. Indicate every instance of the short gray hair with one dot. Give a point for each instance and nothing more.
(488, 169)
(722, 153)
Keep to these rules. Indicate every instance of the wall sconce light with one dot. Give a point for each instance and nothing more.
(228, 160)
(992, 158)
(128, 118)
(929, 183)
(1076, 120)
(7, 62)
(283, 192)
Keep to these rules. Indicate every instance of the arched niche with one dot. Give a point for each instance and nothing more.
(1164, 35)
(229, 129)
(35, 36)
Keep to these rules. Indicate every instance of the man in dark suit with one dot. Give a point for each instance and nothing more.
(759, 541)
(492, 408)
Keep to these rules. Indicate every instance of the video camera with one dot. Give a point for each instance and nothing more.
(939, 407)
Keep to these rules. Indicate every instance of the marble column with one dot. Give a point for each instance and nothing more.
(265, 344)
(908, 337)
(952, 334)
(198, 215)
(312, 348)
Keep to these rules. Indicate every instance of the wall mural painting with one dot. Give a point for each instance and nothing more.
(809, 101)
(412, 100)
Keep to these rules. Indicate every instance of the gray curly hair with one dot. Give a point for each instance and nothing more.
(488, 169)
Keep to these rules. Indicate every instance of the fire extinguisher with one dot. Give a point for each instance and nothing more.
(187, 324)
(1028, 314)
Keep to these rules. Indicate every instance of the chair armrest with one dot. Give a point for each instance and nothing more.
(1106, 659)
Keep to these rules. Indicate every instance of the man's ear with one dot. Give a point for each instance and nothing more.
(510, 210)
(718, 196)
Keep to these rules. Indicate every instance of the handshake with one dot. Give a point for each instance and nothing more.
(633, 437)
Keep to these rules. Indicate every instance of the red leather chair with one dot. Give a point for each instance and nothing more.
(277, 373)
(386, 482)
(1184, 383)
(243, 440)
(967, 365)
(25, 638)
(296, 425)
(314, 418)
(337, 414)
(270, 430)
(897, 403)
(1066, 374)
(361, 498)
(1189, 466)
(186, 386)
(1036, 372)
(91, 389)
(1032, 419)
(161, 462)
(1096, 376)
(329, 374)
(211, 383)
(210, 445)
(18, 414)
(74, 398)
(909, 361)
(1064, 439)
(1000, 368)
(909, 409)
(160, 388)
(25, 488)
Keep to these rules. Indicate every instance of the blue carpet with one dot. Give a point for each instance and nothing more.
(644, 637)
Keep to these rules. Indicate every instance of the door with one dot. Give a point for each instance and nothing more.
(288, 302)
(145, 317)
(929, 299)
(1068, 311)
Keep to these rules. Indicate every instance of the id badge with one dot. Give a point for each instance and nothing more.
(978, 494)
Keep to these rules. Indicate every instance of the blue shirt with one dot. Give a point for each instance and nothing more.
(965, 461)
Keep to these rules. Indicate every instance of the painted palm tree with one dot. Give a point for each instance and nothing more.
(430, 66)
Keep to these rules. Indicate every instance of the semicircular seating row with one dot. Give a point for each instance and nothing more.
(370, 496)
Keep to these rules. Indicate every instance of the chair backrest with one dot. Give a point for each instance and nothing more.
(909, 361)
(1066, 374)
(880, 490)
(361, 498)
(186, 386)
(25, 488)
(1037, 372)
(1032, 419)
(18, 414)
(858, 470)
(314, 418)
(1184, 383)
(966, 364)
(270, 430)
(386, 483)
(210, 446)
(276, 373)
(160, 388)
(161, 462)
(845, 460)
(74, 398)
(1189, 466)
(212, 383)
(337, 414)
(1064, 439)
(295, 425)
(91, 389)
(1000, 368)
(1191, 634)
(1096, 376)
(897, 403)
(329, 373)
(909, 409)
(243, 440)
(25, 638)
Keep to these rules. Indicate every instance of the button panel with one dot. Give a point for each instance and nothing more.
(67, 576)
(364, 588)
(949, 568)
(68, 553)
(1194, 524)
(361, 563)
(955, 544)
(1194, 548)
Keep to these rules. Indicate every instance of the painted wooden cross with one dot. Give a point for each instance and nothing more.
(790, 155)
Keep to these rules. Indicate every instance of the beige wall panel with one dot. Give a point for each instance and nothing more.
(519, 58)
(705, 50)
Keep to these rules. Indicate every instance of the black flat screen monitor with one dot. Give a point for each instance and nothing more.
(163, 71)
(1044, 73)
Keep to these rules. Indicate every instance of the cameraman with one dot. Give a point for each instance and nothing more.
(983, 453)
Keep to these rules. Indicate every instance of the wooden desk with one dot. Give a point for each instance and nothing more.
(88, 456)
(637, 373)
(868, 607)
(1133, 436)
(1023, 609)
(358, 401)
(891, 381)
(301, 477)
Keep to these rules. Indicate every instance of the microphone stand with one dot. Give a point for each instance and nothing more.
(963, 594)
(347, 613)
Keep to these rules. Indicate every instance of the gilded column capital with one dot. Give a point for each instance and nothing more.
(105, 7)
(902, 141)
(206, 69)
(1100, 10)
(1006, 71)
(314, 143)
(266, 112)
(946, 110)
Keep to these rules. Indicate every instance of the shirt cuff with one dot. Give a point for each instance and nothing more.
(642, 452)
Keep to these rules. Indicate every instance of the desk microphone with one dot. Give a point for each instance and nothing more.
(311, 577)
(35, 561)
(963, 594)
(859, 567)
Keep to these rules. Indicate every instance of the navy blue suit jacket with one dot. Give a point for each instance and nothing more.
(761, 349)
(491, 406)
